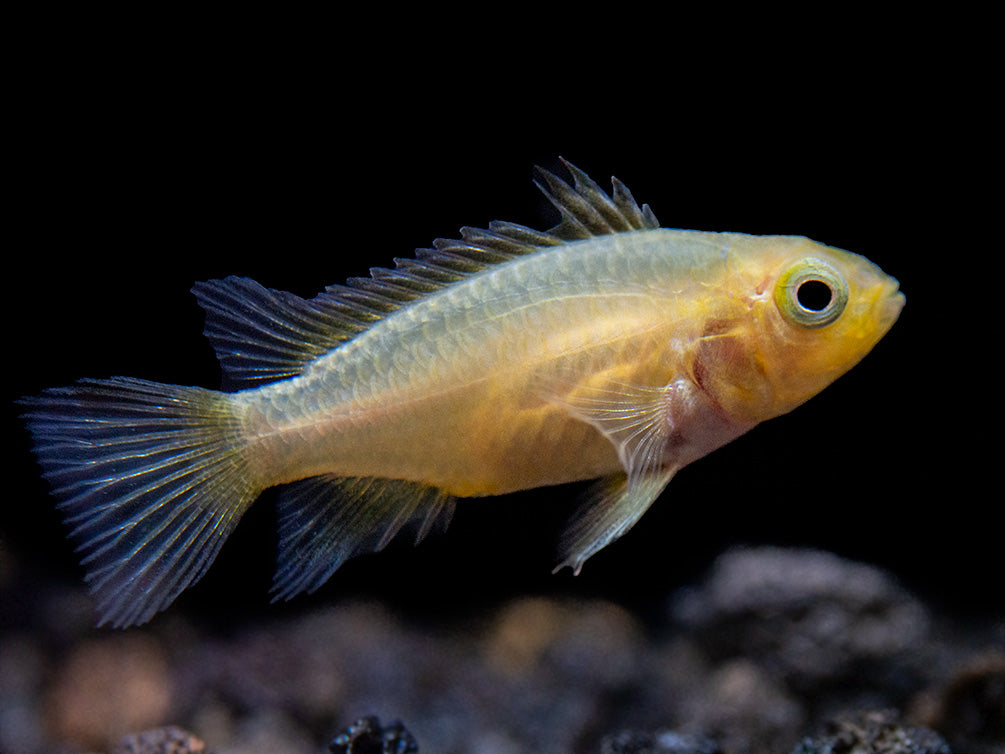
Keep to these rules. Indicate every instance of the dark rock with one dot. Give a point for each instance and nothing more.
(368, 736)
(873, 733)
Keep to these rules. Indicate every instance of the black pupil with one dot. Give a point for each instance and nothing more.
(814, 295)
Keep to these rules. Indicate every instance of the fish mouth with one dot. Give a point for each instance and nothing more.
(890, 304)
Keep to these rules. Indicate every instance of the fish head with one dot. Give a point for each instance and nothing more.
(817, 311)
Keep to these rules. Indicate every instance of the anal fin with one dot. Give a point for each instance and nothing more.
(325, 520)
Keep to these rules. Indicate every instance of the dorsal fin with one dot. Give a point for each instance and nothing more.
(587, 210)
(261, 335)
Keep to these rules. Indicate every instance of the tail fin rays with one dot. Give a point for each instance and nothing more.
(152, 479)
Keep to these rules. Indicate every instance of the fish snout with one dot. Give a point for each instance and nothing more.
(890, 304)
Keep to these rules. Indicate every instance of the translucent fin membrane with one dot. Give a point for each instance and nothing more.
(325, 520)
(151, 480)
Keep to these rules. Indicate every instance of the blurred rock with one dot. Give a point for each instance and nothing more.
(270, 731)
(594, 643)
(758, 655)
(970, 711)
(809, 618)
(22, 673)
(661, 742)
(108, 687)
(743, 708)
(168, 740)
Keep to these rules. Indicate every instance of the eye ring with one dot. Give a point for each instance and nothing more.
(811, 293)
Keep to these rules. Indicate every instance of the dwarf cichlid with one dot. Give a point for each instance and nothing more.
(606, 348)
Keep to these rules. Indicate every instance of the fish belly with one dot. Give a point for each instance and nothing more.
(481, 439)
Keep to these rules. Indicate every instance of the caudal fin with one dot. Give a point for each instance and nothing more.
(151, 479)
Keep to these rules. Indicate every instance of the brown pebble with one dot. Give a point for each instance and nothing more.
(169, 740)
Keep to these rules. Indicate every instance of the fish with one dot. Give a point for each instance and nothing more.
(607, 348)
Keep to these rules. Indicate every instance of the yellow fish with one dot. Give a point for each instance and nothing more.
(605, 348)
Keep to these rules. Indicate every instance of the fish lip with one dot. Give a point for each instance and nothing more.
(892, 301)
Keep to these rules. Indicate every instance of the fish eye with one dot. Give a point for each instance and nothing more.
(811, 293)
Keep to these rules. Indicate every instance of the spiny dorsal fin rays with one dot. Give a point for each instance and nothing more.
(262, 335)
(640, 218)
(579, 218)
(587, 210)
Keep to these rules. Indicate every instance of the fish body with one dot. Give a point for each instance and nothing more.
(606, 348)
(475, 385)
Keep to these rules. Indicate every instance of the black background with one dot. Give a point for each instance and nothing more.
(146, 165)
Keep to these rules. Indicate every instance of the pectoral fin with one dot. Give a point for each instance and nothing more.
(637, 419)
